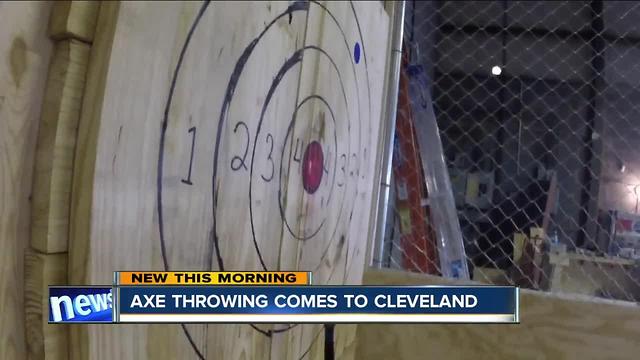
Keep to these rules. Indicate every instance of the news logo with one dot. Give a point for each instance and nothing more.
(80, 304)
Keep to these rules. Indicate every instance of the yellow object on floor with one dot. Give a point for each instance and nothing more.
(519, 241)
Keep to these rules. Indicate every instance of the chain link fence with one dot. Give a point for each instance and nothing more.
(538, 109)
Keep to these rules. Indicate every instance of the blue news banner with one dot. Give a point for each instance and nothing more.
(286, 304)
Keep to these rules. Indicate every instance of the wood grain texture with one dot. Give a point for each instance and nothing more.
(248, 223)
(596, 276)
(117, 166)
(84, 165)
(44, 341)
(74, 20)
(382, 139)
(552, 327)
(56, 145)
(139, 61)
(24, 60)
(346, 120)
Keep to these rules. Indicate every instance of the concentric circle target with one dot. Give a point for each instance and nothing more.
(284, 164)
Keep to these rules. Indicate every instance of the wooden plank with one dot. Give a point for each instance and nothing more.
(339, 99)
(370, 257)
(74, 20)
(162, 114)
(248, 222)
(564, 258)
(583, 274)
(115, 207)
(24, 59)
(539, 274)
(44, 341)
(56, 144)
(84, 165)
(552, 327)
(530, 268)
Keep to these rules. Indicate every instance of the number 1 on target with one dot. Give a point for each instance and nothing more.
(192, 130)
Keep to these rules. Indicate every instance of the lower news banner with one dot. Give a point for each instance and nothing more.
(317, 304)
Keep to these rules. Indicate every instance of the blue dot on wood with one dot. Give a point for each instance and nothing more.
(356, 52)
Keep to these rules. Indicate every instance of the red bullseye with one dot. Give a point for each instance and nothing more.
(312, 163)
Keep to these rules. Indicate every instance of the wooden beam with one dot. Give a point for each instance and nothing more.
(74, 20)
(552, 327)
(84, 164)
(55, 147)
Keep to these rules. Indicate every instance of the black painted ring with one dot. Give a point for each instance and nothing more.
(289, 63)
(297, 6)
(289, 130)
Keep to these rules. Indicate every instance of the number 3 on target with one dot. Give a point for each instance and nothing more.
(270, 159)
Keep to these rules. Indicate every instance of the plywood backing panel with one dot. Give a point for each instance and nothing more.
(552, 327)
(119, 185)
(339, 107)
(24, 59)
(189, 157)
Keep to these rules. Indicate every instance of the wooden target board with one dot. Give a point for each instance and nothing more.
(227, 136)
